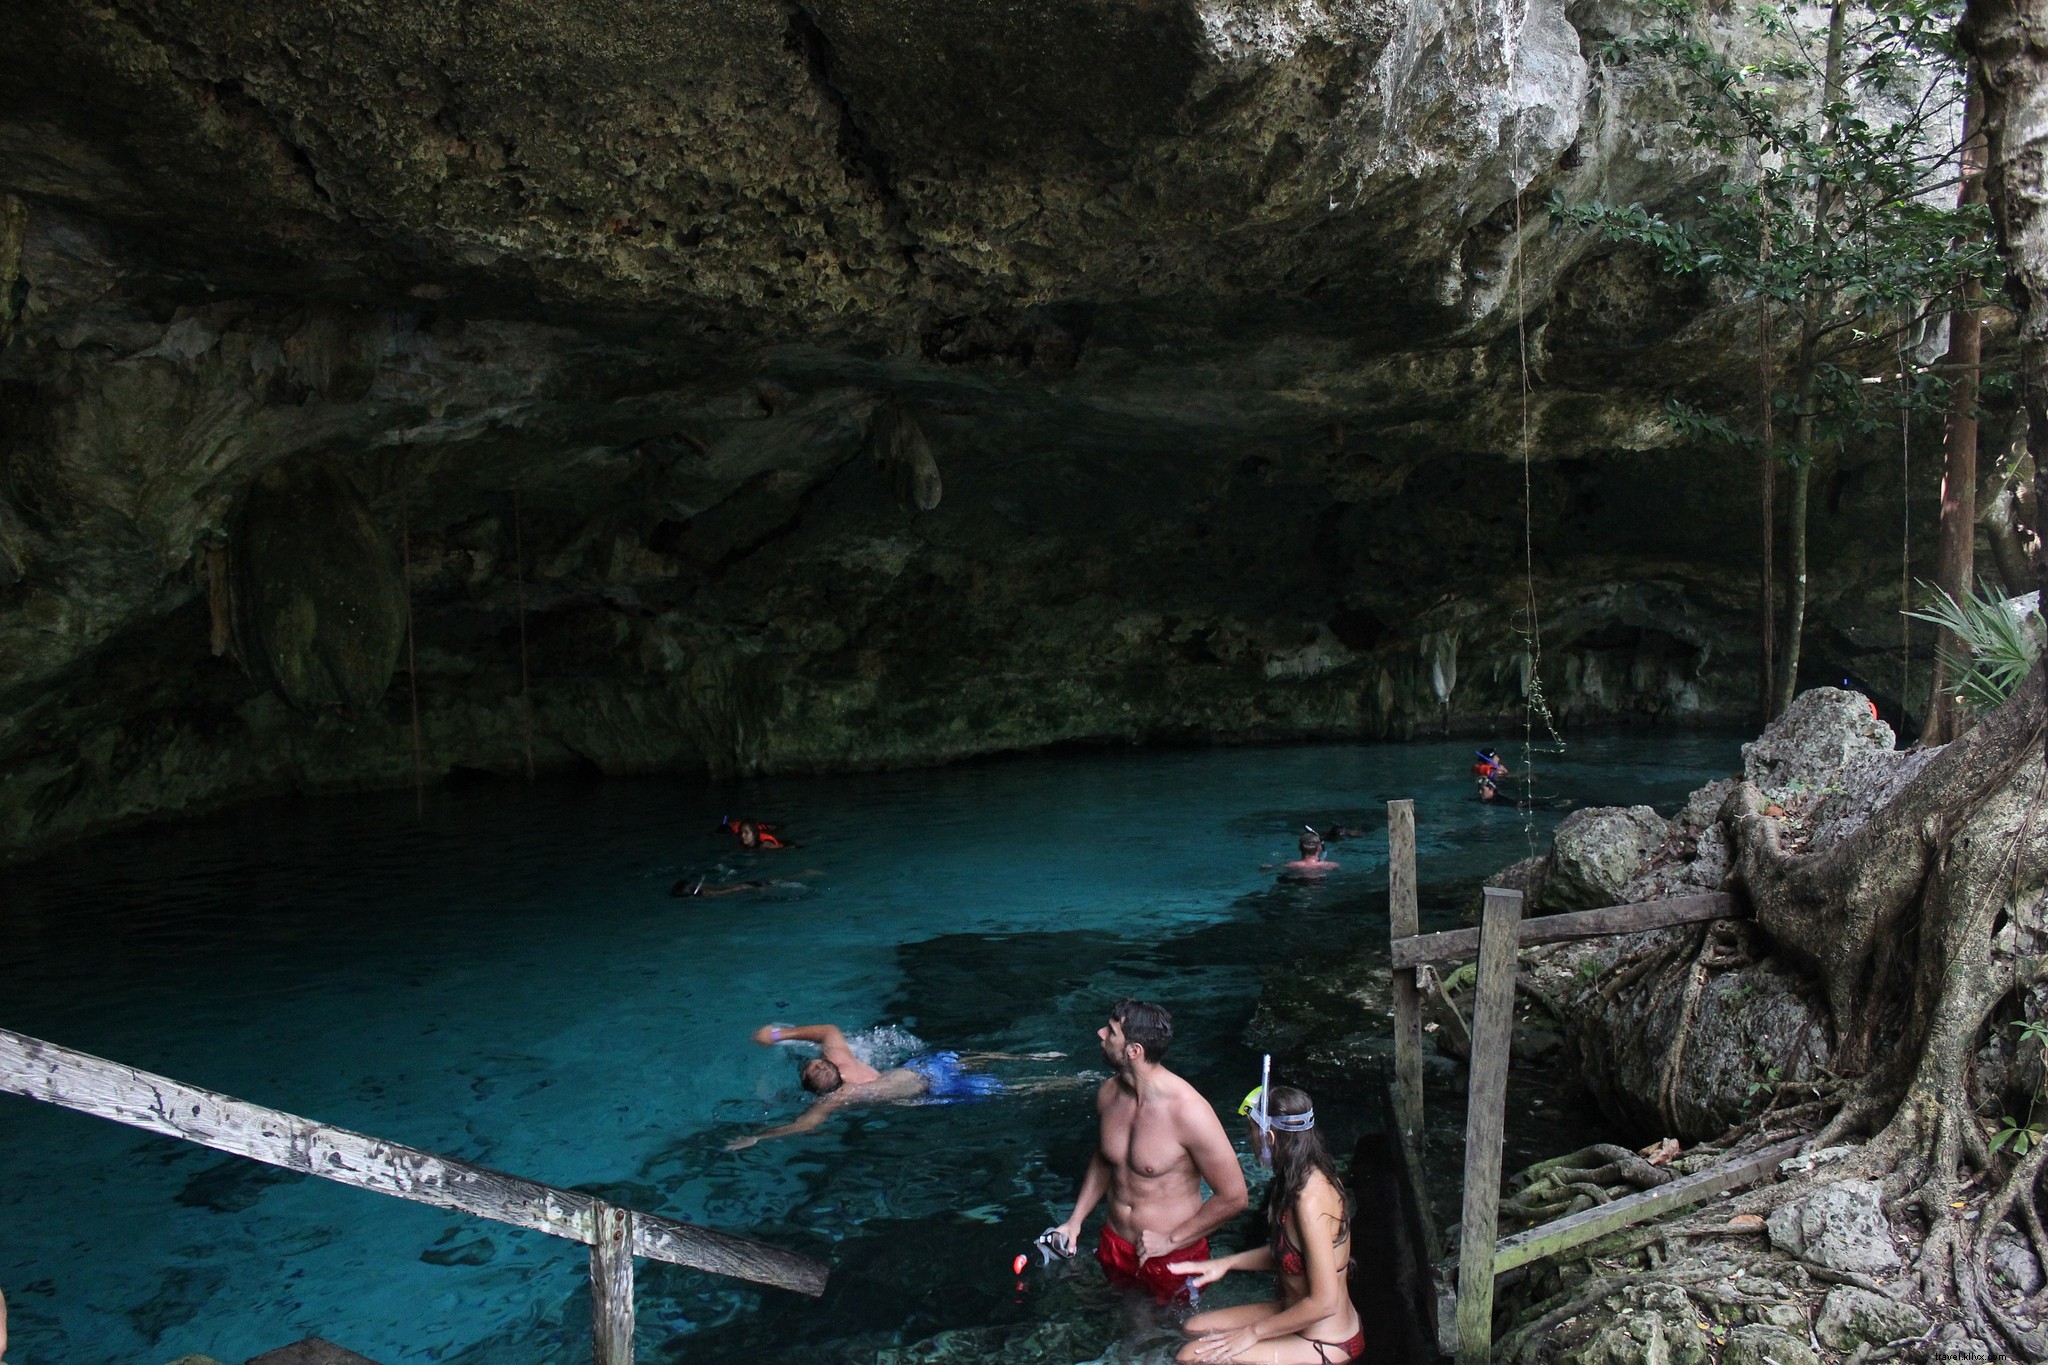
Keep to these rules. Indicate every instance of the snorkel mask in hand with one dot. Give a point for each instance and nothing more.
(1267, 1123)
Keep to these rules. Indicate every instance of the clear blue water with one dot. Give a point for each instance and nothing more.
(509, 982)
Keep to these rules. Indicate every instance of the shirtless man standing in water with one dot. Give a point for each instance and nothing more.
(1159, 1141)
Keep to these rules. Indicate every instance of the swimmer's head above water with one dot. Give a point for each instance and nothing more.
(819, 1076)
(1311, 845)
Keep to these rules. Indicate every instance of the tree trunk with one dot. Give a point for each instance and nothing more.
(1767, 608)
(1818, 304)
(2012, 61)
(1955, 561)
(1795, 564)
(1924, 925)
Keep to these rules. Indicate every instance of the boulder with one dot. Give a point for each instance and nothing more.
(1850, 1316)
(1757, 1344)
(1806, 748)
(1596, 853)
(1787, 1316)
(2014, 1265)
(1953, 1345)
(1838, 1227)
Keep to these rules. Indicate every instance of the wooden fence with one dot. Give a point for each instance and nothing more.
(1465, 1320)
(92, 1085)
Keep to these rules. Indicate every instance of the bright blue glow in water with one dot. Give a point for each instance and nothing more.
(510, 983)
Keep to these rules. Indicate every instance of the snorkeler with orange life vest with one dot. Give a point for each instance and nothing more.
(1489, 770)
(752, 833)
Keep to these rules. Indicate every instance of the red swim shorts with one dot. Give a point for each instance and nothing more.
(1119, 1261)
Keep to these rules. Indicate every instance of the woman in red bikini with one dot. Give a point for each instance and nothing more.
(1313, 1322)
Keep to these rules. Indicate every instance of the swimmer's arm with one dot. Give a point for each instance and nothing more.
(827, 1036)
(806, 1122)
(1216, 1161)
(1206, 1273)
(1094, 1184)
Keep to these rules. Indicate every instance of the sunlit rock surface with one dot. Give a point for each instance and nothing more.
(846, 385)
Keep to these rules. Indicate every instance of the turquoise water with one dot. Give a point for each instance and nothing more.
(509, 982)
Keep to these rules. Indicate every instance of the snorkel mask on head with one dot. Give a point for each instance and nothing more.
(1267, 1123)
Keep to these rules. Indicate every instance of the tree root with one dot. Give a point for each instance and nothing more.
(1572, 1183)
(2018, 1189)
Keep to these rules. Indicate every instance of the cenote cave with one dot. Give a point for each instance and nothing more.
(661, 626)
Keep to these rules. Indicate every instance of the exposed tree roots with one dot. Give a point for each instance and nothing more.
(1922, 931)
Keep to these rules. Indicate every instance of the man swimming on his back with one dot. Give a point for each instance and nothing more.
(841, 1079)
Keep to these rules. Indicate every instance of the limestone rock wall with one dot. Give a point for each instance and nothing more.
(845, 385)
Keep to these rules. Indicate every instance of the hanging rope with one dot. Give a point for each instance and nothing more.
(519, 577)
(1534, 703)
(412, 670)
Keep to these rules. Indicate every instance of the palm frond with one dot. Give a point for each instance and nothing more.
(1998, 644)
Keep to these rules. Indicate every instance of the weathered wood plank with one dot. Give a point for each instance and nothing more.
(1493, 1021)
(611, 1286)
(92, 1085)
(1403, 920)
(1576, 1229)
(1459, 945)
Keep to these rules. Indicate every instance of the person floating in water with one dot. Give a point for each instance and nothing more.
(841, 1079)
(1309, 1221)
(752, 833)
(1157, 1140)
(1487, 765)
(1311, 864)
(792, 887)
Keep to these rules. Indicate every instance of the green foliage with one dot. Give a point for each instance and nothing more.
(1845, 215)
(1998, 648)
(2018, 1136)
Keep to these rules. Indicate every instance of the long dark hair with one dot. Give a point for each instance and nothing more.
(1295, 1157)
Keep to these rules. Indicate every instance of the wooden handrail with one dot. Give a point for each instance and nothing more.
(1461, 945)
(93, 1085)
(1577, 1229)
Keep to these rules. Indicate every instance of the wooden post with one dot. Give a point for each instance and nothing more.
(1493, 1024)
(611, 1284)
(1403, 922)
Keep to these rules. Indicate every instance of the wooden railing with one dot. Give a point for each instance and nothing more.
(92, 1085)
(1465, 1320)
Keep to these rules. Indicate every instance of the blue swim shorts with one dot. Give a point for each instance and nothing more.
(948, 1082)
